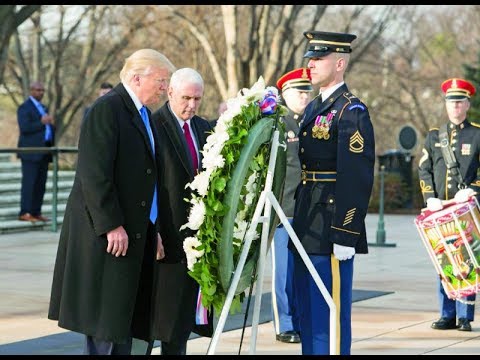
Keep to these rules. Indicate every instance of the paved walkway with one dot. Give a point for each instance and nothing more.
(393, 324)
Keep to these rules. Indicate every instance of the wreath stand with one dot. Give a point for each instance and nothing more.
(265, 202)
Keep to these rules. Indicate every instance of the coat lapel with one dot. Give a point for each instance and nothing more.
(137, 119)
(173, 132)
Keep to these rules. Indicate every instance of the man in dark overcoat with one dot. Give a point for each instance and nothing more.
(102, 281)
(176, 292)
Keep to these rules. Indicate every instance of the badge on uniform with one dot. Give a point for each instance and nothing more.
(466, 149)
(322, 126)
(291, 137)
(356, 142)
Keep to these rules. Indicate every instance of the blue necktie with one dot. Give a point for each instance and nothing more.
(144, 114)
(48, 127)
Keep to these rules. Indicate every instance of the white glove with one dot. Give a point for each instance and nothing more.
(343, 252)
(463, 195)
(434, 204)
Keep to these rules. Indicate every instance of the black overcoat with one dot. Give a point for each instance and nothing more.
(94, 292)
(175, 291)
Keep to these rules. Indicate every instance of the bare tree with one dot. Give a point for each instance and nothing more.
(242, 42)
(11, 17)
(72, 49)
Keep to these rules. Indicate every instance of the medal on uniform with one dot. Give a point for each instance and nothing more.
(322, 126)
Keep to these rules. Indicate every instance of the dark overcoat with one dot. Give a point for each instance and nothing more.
(32, 131)
(94, 292)
(175, 291)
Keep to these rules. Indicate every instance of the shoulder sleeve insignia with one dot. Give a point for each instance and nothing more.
(357, 106)
(356, 143)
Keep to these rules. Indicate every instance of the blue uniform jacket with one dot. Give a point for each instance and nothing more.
(333, 210)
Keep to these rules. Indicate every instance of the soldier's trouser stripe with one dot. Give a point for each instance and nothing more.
(336, 298)
(313, 310)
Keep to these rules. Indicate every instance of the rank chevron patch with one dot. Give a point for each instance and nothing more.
(356, 142)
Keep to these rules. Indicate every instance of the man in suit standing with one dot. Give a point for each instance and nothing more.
(337, 157)
(182, 135)
(296, 89)
(103, 275)
(36, 130)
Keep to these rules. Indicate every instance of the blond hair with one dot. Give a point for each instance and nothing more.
(142, 62)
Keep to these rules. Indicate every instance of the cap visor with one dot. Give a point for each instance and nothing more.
(316, 54)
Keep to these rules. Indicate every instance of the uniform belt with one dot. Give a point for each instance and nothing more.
(319, 176)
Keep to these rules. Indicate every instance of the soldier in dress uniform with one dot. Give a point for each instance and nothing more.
(337, 157)
(437, 183)
(296, 88)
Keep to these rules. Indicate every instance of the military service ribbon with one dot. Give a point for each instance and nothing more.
(322, 126)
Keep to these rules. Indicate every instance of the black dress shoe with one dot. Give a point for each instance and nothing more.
(464, 325)
(289, 337)
(444, 324)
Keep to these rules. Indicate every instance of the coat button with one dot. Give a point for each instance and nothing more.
(138, 236)
(449, 186)
(302, 150)
(304, 166)
(304, 133)
(149, 171)
(144, 203)
(330, 201)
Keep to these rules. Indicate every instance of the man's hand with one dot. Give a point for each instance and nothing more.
(343, 252)
(47, 119)
(434, 204)
(463, 195)
(117, 241)
(160, 250)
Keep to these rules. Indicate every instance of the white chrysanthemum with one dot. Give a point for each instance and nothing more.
(251, 186)
(196, 216)
(252, 235)
(215, 142)
(190, 245)
(249, 199)
(256, 92)
(213, 161)
(240, 229)
(200, 182)
(234, 108)
(191, 260)
(222, 124)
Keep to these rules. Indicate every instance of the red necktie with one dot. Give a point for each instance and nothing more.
(191, 147)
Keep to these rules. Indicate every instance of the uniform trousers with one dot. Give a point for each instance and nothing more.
(314, 312)
(451, 309)
(283, 306)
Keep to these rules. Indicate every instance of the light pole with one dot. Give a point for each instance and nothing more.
(381, 224)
